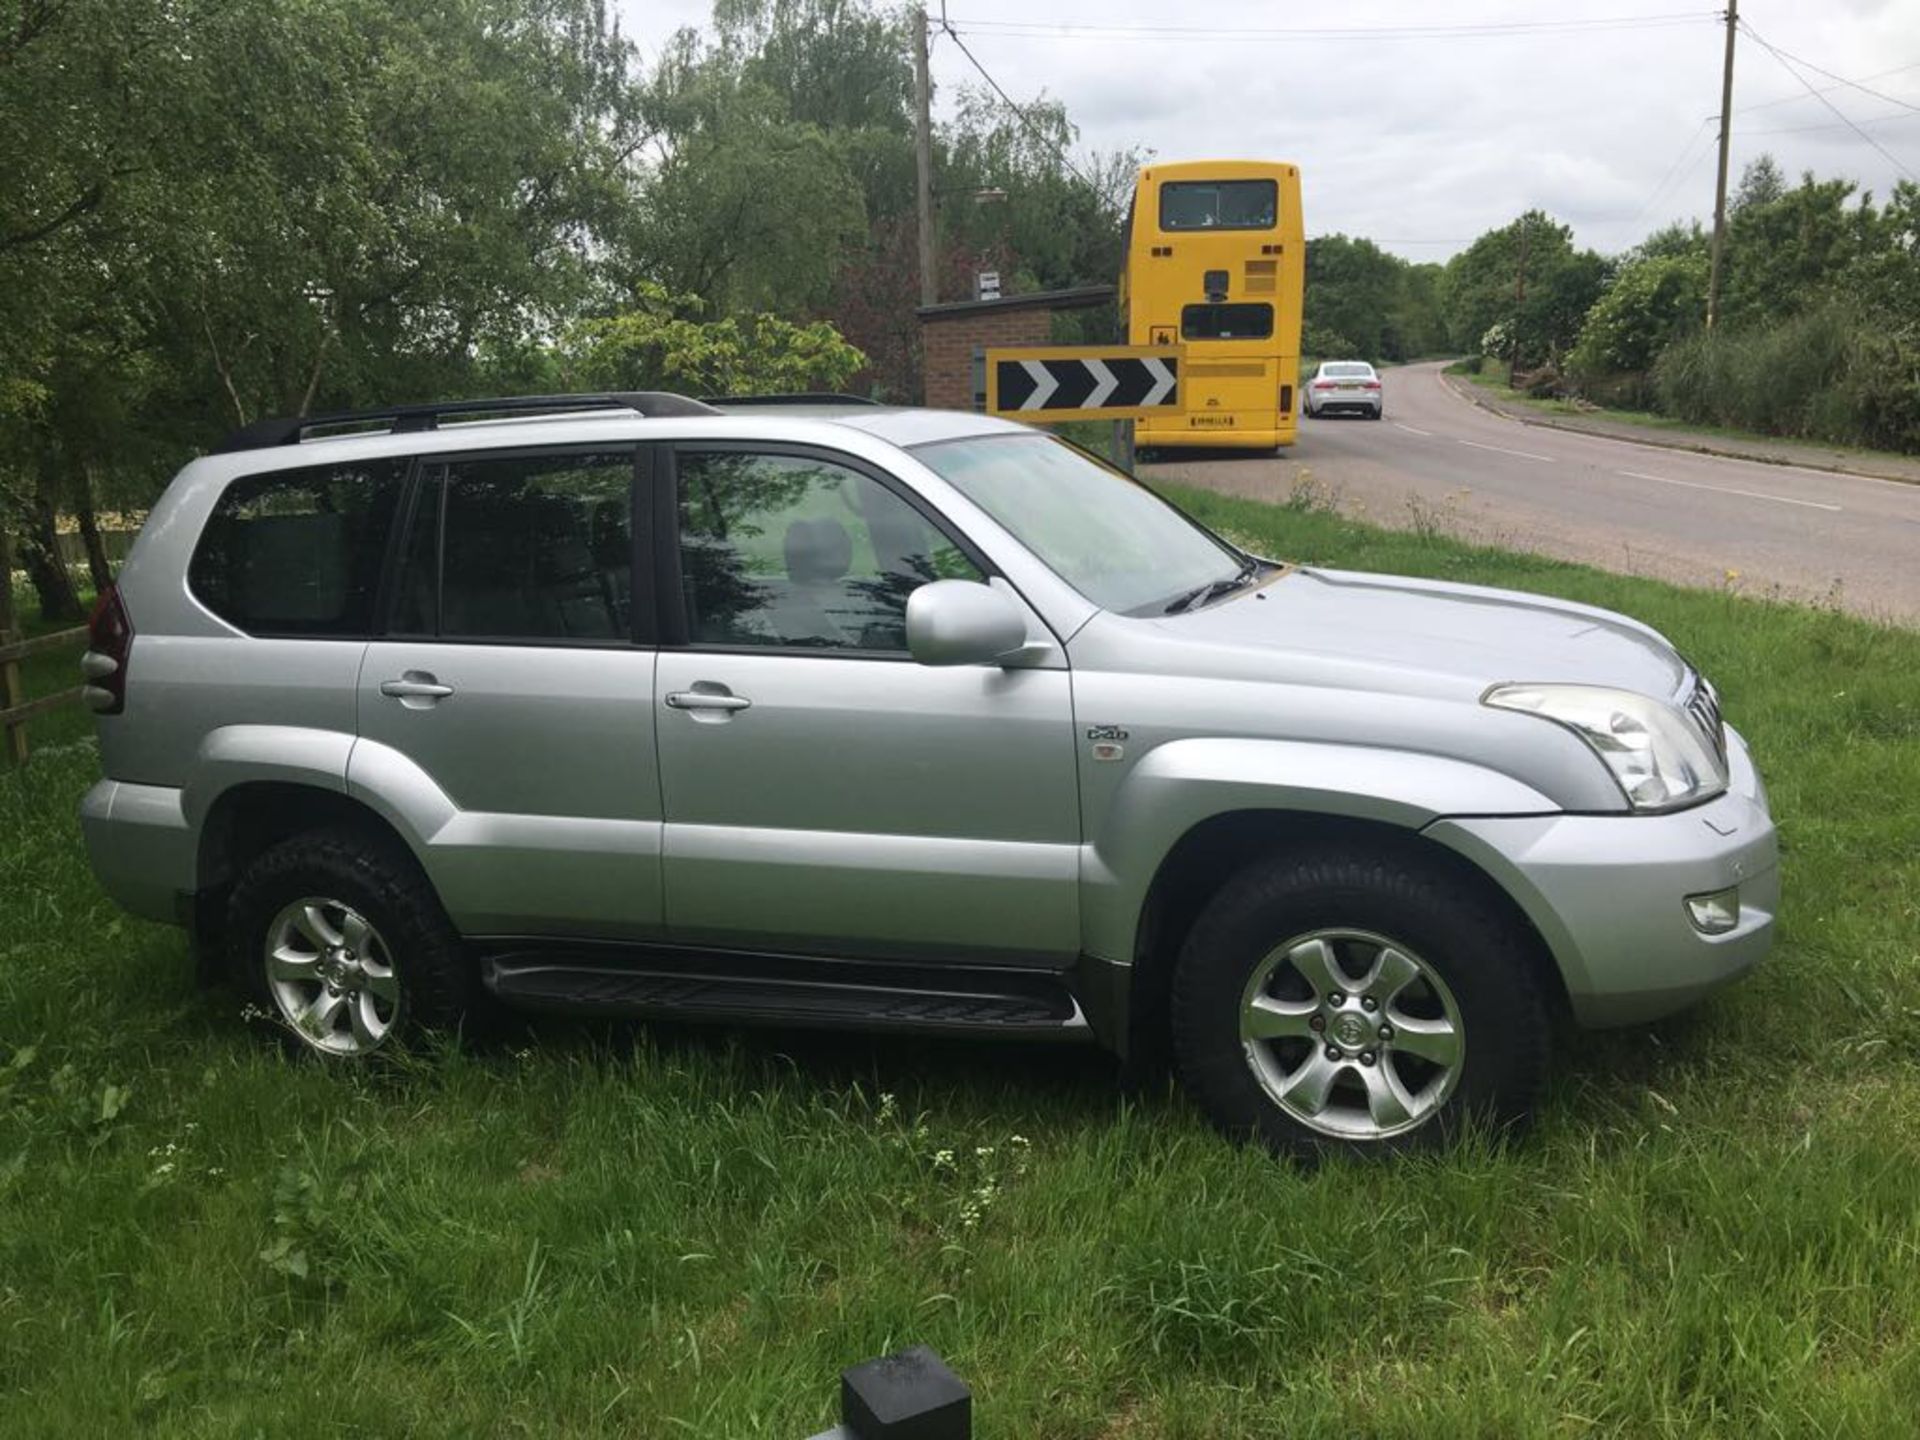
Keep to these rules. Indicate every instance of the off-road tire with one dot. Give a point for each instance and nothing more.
(384, 883)
(1483, 955)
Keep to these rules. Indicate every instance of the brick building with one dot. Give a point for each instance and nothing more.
(955, 336)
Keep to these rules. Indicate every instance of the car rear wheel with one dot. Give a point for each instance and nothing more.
(338, 936)
(1345, 1001)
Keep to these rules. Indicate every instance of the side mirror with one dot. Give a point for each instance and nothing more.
(962, 622)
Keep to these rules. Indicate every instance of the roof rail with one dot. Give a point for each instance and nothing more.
(802, 397)
(291, 429)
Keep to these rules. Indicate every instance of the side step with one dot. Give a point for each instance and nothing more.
(796, 991)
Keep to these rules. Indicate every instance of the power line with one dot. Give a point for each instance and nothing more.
(1808, 129)
(1788, 66)
(1034, 130)
(1844, 83)
(1218, 34)
(1673, 170)
(1827, 90)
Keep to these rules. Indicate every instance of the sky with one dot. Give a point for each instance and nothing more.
(1422, 140)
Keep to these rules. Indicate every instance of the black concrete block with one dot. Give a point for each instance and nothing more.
(908, 1396)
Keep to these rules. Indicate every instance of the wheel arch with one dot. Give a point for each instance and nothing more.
(249, 817)
(1215, 849)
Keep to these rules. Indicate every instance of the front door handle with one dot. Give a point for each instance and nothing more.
(415, 685)
(706, 700)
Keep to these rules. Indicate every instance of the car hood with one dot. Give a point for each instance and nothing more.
(1391, 633)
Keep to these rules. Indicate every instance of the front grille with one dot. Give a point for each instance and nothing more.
(1704, 706)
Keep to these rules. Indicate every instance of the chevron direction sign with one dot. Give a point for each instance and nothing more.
(1084, 382)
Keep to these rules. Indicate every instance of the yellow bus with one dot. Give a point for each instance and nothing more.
(1216, 261)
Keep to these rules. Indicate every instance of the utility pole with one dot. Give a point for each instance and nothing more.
(1720, 185)
(923, 154)
(1519, 299)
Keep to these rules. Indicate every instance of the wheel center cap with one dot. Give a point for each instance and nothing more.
(1350, 1030)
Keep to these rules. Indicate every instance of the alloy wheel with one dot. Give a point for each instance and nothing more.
(1352, 1034)
(331, 976)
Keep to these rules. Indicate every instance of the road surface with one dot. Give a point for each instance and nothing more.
(1439, 459)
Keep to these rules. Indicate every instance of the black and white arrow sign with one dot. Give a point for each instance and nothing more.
(1088, 381)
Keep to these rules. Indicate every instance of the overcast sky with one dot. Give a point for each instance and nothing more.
(1422, 141)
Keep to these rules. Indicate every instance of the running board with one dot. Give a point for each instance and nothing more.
(798, 992)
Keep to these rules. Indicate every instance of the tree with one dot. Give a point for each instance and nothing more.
(1649, 304)
(237, 207)
(1783, 252)
(1761, 183)
(656, 344)
(1478, 289)
(1352, 287)
(1379, 305)
(743, 205)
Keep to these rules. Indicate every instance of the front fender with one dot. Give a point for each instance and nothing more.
(1185, 782)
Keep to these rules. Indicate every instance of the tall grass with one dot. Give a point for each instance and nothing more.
(1833, 372)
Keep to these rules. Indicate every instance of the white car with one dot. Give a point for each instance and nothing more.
(1344, 386)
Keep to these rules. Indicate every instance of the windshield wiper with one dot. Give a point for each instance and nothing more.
(1213, 589)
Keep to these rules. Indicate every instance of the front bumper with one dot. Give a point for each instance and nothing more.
(1607, 893)
(142, 850)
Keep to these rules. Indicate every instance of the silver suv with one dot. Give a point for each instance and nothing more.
(839, 715)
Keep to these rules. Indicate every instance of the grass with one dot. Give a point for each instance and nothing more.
(659, 1231)
(1491, 375)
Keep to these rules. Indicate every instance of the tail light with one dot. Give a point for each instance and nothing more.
(109, 648)
(1323, 384)
(1373, 384)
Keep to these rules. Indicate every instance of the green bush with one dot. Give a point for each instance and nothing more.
(1834, 372)
(1648, 305)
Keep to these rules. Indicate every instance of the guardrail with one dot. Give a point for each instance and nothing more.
(15, 709)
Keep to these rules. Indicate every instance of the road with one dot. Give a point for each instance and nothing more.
(1439, 459)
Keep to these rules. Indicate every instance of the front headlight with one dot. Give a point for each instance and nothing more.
(1659, 757)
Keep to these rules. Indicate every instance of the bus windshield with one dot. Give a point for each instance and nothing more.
(1218, 204)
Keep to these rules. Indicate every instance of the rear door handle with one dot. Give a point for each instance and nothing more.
(415, 685)
(706, 700)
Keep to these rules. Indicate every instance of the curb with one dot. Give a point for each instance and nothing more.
(1469, 392)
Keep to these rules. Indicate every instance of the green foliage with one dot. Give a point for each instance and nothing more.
(658, 345)
(1648, 304)
(1784, 253)
(1478, 289)
(746, 207)
(1374, 305)
(1828, 373)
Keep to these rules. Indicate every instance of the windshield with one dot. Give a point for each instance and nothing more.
(1352, 372)
(1109, 537)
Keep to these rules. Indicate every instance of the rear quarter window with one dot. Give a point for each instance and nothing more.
(298, 552)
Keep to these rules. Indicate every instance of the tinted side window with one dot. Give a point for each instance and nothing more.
(298, 552)
(1226, 322)
(532, 548)
(786, 550)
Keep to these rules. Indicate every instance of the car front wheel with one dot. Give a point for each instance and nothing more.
(1345, 1001)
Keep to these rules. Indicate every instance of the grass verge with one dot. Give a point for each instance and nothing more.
(660, 1231)
(1491, 375)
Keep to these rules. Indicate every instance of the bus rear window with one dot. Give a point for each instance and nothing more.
(1219, 204)
(1226, 322)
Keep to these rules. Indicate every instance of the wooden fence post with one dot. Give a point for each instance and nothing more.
(11, 693)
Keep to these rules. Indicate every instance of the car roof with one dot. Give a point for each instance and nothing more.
(764, 421)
